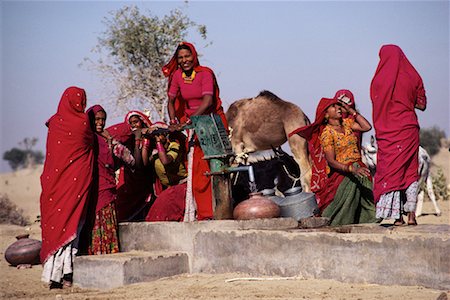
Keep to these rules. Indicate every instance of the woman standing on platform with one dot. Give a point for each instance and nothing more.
(134, 190)
(109, 154)
(396, 91)
(193, 91)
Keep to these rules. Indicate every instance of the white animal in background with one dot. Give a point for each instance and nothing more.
(369, 154)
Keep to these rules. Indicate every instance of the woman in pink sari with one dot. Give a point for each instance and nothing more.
(193, 91)
(66, 183)
(396, 91)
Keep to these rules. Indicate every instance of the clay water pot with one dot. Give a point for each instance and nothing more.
(256, 207)
(23, 251)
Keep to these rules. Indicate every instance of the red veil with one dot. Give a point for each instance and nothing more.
(67, 175)
(320, 182)
(395, 90)
(134, 186)
(168, 71)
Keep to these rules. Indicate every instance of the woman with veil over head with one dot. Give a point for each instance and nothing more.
(109, 156)
(66, 183)
(340, 180)
(193, 91)
(134, 188)
(396, 91)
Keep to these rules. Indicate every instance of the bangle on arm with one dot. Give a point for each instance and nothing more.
(350, 168)
(146, 144)
(160, 147)
(137, 143)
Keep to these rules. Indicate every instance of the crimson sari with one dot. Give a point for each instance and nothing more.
(102, 226)
(396, 90)
(319, 178)
(135, 187)
(67, 176)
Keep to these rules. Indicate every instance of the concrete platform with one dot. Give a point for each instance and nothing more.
(418, 255)
(406, 258)
(175, 236)
(114, 270)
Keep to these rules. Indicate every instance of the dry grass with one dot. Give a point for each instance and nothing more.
(10, 213)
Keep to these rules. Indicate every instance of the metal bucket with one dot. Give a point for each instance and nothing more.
(270, 193)
(298, 205)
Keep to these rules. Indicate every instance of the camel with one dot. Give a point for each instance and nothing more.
(264, 122)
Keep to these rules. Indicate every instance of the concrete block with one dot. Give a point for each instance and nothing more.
(178, 236)
(388, 257)
(114, 270)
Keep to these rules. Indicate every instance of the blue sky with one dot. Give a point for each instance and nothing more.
(300, 50)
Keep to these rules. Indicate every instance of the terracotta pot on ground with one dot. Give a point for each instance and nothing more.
(23, 251)
(256, 207)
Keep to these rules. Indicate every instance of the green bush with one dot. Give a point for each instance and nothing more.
(440, 185)
(430, 139)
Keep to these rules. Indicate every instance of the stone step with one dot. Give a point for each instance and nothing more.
(114, 270)
(179, 236)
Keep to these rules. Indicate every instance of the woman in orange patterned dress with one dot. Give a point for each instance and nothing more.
(341, 181)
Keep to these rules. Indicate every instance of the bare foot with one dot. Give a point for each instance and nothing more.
(399, 222)
(412, 218)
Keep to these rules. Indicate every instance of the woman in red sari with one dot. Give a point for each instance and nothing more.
(339, 179)
(193, 91)
(134, 189)
(66, 183)
(396, 91)
(109, 154)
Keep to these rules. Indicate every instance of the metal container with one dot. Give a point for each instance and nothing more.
(23, 251)
(270, 193)
(298, 205)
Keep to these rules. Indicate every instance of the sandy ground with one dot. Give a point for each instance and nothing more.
(23, 189)
(25, 283)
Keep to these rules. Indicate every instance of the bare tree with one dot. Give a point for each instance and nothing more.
(132, 51)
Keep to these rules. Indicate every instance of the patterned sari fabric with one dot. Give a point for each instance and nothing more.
(352, 202)
(104, 238)
(391, 205)
(345, 198)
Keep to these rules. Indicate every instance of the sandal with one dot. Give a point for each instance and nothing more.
(55, 285)
(412, 223)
